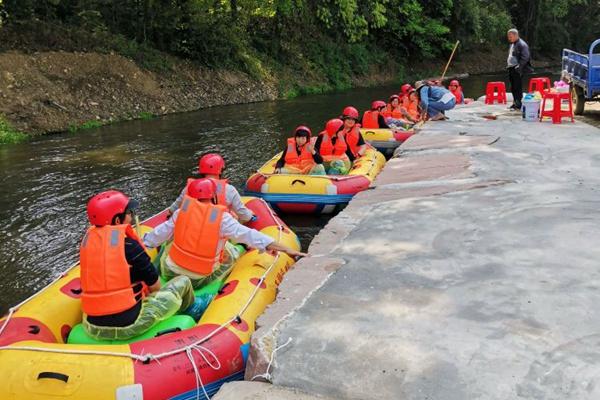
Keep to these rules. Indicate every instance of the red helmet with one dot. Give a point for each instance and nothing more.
(454, 83)
(211, 164)
(394, 97)
(377, 104)
(333, 125)
(406, 88)
(202, 189)
(350, 112)
(302, 128)
(102, 208)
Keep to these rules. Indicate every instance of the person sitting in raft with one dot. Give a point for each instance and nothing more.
(411, 108)
(332, 147)
(456, 90)
(200, 230)
(300, 157)
(404, 92)
(395, 114)
(434, 100)
(211, 166)
(373, 119)
(351, 132)
(121, 294)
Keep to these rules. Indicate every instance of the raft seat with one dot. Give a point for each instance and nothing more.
(175, 323)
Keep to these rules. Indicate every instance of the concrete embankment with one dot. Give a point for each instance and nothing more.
(468, 271)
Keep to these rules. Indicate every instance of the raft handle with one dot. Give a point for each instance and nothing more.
(53, 375)
(34, 329)
(222, 290)
(298, 180)
(167, 331)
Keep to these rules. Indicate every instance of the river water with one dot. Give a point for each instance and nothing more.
(47, 182)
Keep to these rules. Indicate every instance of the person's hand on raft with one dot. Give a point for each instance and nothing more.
(274, 247)
(277, 171)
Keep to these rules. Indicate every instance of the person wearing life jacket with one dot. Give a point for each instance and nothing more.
(332, 147)
(211, 166)
(456, 90)
(121, 294)
(404, 92)
(373, 119)
(351, 132)
(299, 156)
(412, 107)
(393, 110)
(434, 100)
(198, 234)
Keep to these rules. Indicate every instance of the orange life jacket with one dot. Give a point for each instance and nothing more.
(328, 149)
(352, 139)
(303, 161)
(458, 95)
(412, 107)
(393, 112)
(105, 279)
(197, 241)
(371, 119)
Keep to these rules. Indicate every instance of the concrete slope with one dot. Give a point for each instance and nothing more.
(469, 271)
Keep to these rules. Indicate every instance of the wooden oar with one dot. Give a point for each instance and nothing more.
(449, 60)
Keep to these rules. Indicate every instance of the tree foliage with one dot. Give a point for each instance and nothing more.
(244, 32)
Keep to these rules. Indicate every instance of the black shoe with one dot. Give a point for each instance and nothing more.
(514, 108)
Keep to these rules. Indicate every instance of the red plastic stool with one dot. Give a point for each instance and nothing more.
(495, 91)
(557, 112)
(541, 85)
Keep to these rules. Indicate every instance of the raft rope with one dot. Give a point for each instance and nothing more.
(267, 375)
(147, 358)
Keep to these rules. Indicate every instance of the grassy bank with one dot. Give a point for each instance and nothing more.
(9, 135)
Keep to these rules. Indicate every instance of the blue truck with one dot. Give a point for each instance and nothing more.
(582, 72)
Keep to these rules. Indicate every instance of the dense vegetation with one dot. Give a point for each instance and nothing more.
(341, 37)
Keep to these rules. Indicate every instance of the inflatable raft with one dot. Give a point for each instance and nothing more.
(385, 140)
(313, 194)
(37, 361)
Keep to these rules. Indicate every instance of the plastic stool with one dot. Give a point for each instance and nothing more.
(541, 85)
(557, 112)
(495, 91)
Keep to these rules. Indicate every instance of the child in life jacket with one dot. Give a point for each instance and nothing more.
(331, 145)
(374, 119)
(199, 235)
(299, 156)
(456, 90)
(122, 296)
(211, 166)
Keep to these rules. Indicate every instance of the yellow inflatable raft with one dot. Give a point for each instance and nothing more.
(37, 363)
(313, 194)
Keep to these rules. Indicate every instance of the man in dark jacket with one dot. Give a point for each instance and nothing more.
(518, 64)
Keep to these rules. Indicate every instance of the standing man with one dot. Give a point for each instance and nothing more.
(518, 64)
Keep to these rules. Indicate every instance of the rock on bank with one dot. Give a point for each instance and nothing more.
(51, 91)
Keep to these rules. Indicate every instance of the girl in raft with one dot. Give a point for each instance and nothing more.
(331, 145)
(411, 107)
(456, 90)
(299, 156)
(374, 119)
(395, 115)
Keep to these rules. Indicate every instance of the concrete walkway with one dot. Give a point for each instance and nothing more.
(470, 271)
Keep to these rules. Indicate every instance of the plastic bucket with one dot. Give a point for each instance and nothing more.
(531, 110)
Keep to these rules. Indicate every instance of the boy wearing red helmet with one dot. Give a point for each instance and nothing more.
(374, 119)
(351, 131)
(121, 293)
(300, 156)
(200, 230)
(211, 166)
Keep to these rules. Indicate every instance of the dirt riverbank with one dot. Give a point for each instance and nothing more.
(52, 91)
